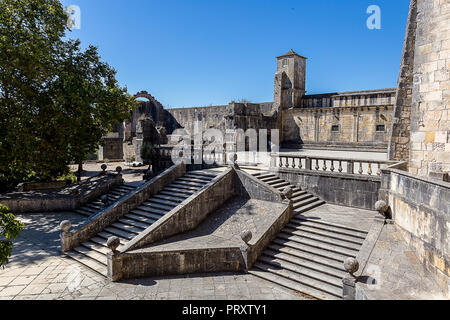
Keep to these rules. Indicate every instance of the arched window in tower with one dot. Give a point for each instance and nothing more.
(285, 62)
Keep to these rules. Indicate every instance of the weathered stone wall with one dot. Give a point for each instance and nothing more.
(401, 125)
(420, 208)
(341, 189)
(430, 122)
(367, 126)
(65, 199)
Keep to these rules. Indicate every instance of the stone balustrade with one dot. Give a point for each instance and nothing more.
(328, 164)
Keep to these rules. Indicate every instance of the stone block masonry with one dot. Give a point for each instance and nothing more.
(430, 122)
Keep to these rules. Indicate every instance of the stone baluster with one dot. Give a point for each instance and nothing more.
(332, 166)
(287, 162)
(300, 164)
(324, 165)
(360, 171)
(293, 163)
(340, 167)
(379, 169)
(308, 164)
(281, 162)
(369, 171)
(317, 164)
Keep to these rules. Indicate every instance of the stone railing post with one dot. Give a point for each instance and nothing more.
(308, 165)
(351, 265)
(246, 236)
(350, 167)
(66, 236)
(114, 260)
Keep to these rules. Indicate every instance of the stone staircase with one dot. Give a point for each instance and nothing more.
(308, 254)
(93, 207)
(303, 201)
(92, 253)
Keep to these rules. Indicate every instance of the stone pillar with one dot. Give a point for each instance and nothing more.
(66, 236)
(355, 126)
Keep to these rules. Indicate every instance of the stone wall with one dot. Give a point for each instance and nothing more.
(341, 189)
(401, 125)
(367, 126)
(65, 199)
(430, 122)
(420, 208)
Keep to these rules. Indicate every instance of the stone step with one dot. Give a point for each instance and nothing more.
(299, 200)
(330, 255)
(133, 222)
(198, 177)
(121, 233)
(158, 206)
(303, 284)
(149, 212)
(106, 235)
(269, 179)
(331, 263)
(91, 210)
(324, 239)
(184, 187)
(88, 262)
(305, 202)
(173, 198)
(328, 225)
(100, 248)
(266, 175)
(140, 218)
(302, 271)
(94, 255)
(318, 244)
(189, 183)
(193, 180)
(318, 202)
(298, 192)
(117, 193)
(280, 184)
(172, 191)
(169, 203)
(93, 206)
(125, 189)
(305, 263)
(202, 174)
(327, 233)
(126, 227)
(83, 212)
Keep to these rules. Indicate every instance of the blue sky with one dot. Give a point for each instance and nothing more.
(198, 52)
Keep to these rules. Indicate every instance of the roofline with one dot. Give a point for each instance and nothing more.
(292, 54)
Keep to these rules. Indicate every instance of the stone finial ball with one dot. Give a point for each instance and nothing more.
(104, 166)
(273, 147)
(351, 265)
(288, 192)
(233, 157)
(119, 169)
(65, 225)
(113, 243)
(246, 236)
(381, 206)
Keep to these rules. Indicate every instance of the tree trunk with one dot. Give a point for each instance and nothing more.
(80, 171)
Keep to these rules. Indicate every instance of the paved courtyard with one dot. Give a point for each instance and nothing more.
(38, 271)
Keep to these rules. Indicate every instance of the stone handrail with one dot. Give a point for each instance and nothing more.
(329, 164)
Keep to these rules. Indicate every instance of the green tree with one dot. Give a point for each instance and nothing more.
(9, 230)
(56, 100)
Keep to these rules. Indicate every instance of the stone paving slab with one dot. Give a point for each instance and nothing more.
(38, 271)
(394, 272)
(222, 228)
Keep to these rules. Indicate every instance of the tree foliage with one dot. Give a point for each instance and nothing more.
(57, 101)
(9, 230)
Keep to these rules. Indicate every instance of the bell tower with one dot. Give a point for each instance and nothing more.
(289, 80)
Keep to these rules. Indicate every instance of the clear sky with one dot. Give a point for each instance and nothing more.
(202, 52)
